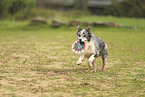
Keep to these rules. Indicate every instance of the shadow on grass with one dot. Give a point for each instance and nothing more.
(64, 71)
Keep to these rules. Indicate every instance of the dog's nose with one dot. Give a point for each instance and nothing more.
(80, 40)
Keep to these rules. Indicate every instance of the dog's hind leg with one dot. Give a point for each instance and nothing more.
(104, 58)
(94, 66)
(104, 55)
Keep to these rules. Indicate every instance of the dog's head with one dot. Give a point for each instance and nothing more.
(84, 34)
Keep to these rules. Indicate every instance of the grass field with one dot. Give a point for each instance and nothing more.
(37, 60)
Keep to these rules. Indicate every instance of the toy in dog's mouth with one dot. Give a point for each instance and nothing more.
(78, 47)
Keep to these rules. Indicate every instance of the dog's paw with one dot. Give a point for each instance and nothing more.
(90, 66)
(79, 64)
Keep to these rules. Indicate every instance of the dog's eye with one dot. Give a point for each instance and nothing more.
(84, 35)
(79, 35)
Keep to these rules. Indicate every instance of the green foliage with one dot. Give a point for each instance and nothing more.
(127, 8)
(9, 8)
(46, 13)
(80, 4)
(16, 5)
(3, 8)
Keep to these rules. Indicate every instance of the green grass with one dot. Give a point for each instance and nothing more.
(38, 61)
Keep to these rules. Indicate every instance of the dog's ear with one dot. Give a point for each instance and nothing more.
(88, 29)
(78, 28)
(89, 33)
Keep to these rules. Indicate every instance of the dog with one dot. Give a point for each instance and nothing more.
(96, 47)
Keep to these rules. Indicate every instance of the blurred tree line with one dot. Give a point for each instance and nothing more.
(11, 7)
(127, 8)
(22, 8)
(80, 4)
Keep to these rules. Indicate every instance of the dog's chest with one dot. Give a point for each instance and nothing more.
(90, 49)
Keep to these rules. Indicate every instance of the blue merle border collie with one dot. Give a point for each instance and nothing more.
(96, 47)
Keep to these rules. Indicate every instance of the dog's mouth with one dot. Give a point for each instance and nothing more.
(81, 42)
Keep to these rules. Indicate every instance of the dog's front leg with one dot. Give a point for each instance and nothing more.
(91, 62)
(81, 57)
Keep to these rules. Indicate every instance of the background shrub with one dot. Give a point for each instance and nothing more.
(10, 8)
(127, 8)
(3, 8)
(17, 5)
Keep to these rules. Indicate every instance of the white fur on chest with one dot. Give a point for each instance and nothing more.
(90, 49)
